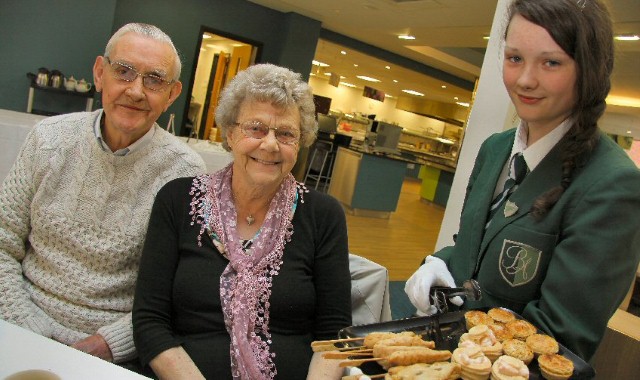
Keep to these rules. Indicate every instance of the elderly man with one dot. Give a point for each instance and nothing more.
(75, 207)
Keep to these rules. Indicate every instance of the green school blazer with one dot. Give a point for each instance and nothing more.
(567, 273)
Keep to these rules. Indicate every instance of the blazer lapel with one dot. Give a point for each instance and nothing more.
(545, 176)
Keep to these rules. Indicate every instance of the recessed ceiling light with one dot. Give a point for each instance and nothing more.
(318, 63)
(355, 65)
(443, 86)
(205, 36)
(629, 132)
(387, 67)
(329, 74)
(343, 52)
(406, 37)
(628, 37)
(455, 98)
(413, 92)
(368, 79)
(210, 46)
(395, 81)
(347, 84)
(485, 38)
(464, 104)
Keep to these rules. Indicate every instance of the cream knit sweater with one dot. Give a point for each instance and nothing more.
(72, 224)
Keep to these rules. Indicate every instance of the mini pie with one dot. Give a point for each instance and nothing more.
(477, 317)
(542, 344)
(555, 367)
(435, 371)
(517, 349)
(501, 332)
(483, 337)
(501, 315)
(473, 363)
(521, 329)
(509, 368)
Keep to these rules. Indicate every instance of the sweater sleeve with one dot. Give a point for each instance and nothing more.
(152, 320)
(119, 337)
(16, 194)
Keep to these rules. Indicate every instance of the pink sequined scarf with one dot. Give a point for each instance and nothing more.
(245, 284)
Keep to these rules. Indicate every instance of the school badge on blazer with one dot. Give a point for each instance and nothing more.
(518, 262)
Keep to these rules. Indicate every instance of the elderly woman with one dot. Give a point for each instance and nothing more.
(242, 269)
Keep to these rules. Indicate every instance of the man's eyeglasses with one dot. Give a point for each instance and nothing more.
(127, 73)
(258, 130)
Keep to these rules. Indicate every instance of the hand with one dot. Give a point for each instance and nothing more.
(433, 272)
(94, 345)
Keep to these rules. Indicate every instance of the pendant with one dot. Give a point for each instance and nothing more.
(510, 209)
(250, 219)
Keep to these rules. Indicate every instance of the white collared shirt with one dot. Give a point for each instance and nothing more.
(142, 141)
(533, 154)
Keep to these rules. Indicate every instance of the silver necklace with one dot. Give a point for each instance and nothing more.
(250, 219)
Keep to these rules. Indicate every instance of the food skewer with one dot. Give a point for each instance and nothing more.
(347, 355)
(334, 341)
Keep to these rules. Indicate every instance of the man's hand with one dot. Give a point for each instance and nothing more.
(94, 345)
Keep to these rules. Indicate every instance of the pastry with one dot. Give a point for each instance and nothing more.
(372, 338)
(483, 337)
(501, 315)
(474, 364)
(501, 332)
(423, 371)
(555, 367)
(542, 344)
(391, 356)
(509, 368)
(477, 317)
(521, 329)
(517, 349)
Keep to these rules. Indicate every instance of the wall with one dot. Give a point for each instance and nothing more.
(54, 34)
(68, 35)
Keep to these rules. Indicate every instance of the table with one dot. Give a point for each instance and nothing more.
(14, 127)
(22, 350)
(213, 154)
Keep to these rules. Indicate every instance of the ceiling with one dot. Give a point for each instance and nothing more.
(449, 37)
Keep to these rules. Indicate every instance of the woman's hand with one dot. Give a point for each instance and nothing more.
(175, 364)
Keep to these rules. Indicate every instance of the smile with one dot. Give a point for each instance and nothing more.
(528, 100)
(265, 162)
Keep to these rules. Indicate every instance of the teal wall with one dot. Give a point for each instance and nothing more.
(69, 34)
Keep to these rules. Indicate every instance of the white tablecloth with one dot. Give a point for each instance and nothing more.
(22, 350)
(213, 154)
(14, 127)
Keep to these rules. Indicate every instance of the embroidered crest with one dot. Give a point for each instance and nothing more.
(518, 262)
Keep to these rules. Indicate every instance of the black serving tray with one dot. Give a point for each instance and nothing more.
(451, 327)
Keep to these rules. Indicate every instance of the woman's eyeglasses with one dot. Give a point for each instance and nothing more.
(258, 130)
(127, 73)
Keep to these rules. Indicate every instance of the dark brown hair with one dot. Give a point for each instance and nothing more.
(583, 30)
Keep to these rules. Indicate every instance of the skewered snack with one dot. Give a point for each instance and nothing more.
(555, 367)
(406, 340)
(391, 356)
(518, 349)
(509, 368)
(477, 317)
(521, 329)
(372, 338)
(501, 332)
(473, 363)
(423, 371)
(542, 344)
(482, 336)
(501, 315)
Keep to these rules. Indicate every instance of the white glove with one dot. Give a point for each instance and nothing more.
(433, 272)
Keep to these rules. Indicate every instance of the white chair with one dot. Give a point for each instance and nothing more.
(369, 291)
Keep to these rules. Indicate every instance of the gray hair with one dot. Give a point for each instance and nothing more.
(267, 83)
(149, 31)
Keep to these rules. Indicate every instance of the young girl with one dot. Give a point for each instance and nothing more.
(561, 246)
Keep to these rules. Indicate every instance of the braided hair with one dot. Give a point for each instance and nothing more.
(584, 31)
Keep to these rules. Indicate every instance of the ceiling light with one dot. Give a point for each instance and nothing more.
(347, 84)
(406, 37)
(413, 92)
(388, 67)
(210, 46)
(355, 65)
(395, 81)
(318, 63)
(443, 86)
(455, 98)
(629, 132)
(329, 74)
(622, 101)
(464, 104)
(368, 79)
(485, 38)
(343, 52)
(205, 36)
(628, 37)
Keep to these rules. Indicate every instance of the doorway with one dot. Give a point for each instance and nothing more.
(219, 58)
